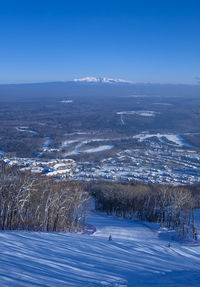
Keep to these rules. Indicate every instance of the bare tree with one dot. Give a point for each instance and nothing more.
(36, 203)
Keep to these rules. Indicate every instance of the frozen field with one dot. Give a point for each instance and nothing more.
(136, 256)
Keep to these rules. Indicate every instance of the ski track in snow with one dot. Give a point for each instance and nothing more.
(98, 149)
(174, 139)
(81, 143)
(139, 113)
(26, 129)
(135, 257)
(122, 120)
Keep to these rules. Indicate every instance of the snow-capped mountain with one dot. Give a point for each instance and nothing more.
(101, 80)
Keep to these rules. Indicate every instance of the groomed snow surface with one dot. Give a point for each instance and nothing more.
(136, 256)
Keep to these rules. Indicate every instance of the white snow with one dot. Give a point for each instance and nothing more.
(139, 113)
(121, 119)
(67, 143)
(77, 133)
(26, 129)
(46, 144)
(67, 101)
(135, 257)
(163, 104)
(98, 149)
(59, 165)
(175, 139)
(81, 143)
(101, 80)
(46, 147)
(136, 96)
(59, 172)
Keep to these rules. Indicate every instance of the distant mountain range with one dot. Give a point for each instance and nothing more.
(94, 86)
(101, 80)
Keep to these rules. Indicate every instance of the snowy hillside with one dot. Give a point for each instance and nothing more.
(136, 256)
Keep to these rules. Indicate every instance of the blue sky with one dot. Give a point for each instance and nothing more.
(143, 40)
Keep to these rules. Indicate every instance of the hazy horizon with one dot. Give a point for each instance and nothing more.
(129, 82)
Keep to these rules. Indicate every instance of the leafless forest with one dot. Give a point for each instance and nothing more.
(172, 207)
(30, 202)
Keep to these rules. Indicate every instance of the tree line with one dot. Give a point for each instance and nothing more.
(29, 202)
(172, 207)
(33, 202)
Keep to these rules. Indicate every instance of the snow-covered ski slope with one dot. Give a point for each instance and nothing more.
(136, 256)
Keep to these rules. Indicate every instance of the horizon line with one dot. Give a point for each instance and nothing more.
(93, 83)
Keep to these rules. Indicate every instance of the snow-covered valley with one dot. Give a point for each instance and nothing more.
(148, 157)
(136, 256)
